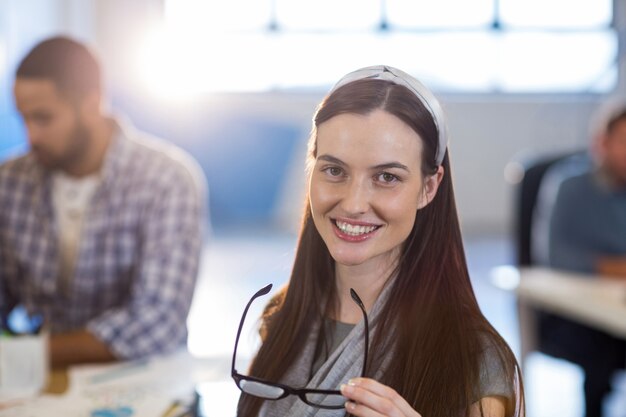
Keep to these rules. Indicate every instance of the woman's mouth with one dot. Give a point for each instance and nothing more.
(353, 231)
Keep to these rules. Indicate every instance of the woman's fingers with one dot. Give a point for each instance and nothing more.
(360, 410)
(375, 399)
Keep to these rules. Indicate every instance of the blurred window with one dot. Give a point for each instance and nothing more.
(482, 46)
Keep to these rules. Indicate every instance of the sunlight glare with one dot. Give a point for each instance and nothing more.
(160, 64)
(178, 65)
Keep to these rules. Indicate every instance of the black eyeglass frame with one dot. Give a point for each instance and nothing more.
(287, 390)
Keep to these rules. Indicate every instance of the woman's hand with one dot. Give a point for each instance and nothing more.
(369, 398)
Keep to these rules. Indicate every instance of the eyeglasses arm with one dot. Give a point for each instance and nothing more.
(358, 301)
(259, 293)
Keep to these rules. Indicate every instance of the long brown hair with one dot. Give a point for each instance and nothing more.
(438, 330)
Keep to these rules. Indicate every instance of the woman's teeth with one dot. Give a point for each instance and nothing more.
(354, 230)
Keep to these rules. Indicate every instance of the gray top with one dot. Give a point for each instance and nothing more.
(335, 332)
(493, 381)
(492, 376)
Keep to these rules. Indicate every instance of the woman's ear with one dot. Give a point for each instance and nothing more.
(430, 187)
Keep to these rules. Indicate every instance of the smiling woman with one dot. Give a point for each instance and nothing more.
(370, 196)
(381, 222)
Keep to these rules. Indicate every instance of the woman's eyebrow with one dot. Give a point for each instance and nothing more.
(392, 165)
(387, 165)
(330, 158)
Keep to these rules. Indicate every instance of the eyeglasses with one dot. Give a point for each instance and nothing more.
(320, 398)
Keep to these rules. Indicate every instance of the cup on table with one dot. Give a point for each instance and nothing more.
(23, 357)
(23, 364)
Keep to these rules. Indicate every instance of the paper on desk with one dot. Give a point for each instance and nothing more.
(218, 398)
(57, 406)
(131, 389)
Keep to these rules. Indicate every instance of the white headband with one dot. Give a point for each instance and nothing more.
(396, 76)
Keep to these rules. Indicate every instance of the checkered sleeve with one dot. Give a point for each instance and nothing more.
(7, 273)
(10, 191)
(154, 321)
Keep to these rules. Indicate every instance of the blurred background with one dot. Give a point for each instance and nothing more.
(236, 83)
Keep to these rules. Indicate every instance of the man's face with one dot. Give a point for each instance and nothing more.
(56, 134)
(615, 152)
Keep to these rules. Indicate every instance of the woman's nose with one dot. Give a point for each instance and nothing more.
(356, 198)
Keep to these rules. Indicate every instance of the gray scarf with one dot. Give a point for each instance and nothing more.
(344, 363)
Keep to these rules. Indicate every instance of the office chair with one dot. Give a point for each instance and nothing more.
(527, 196)
(532, 207)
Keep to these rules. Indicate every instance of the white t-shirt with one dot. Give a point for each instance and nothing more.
(71, 198)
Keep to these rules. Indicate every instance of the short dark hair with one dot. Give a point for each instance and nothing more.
(69, 64)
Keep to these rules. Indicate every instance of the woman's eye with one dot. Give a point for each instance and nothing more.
(334, 171)
(387, 178)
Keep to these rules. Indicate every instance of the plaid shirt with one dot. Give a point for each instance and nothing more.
(139, 249)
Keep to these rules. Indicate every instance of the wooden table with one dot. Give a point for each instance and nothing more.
(595, 301)
(58, 381)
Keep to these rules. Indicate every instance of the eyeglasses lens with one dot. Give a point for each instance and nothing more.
(259, 389)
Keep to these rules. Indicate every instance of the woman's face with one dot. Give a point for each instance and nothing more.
(366, 186)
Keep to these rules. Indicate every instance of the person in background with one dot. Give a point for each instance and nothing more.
(587, 234)
(588, 221)
(379, 312)
(101, 226)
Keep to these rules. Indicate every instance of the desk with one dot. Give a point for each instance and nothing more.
(147, 388)
(594, 301)
(58, 381)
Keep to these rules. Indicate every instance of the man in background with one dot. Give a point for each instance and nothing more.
(588, 235)
(100, 225)
(588, 222)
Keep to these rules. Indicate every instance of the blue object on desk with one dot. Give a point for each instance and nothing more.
(20, 322)
(110, 412)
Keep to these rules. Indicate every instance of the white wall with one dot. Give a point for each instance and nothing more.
(488, 133)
